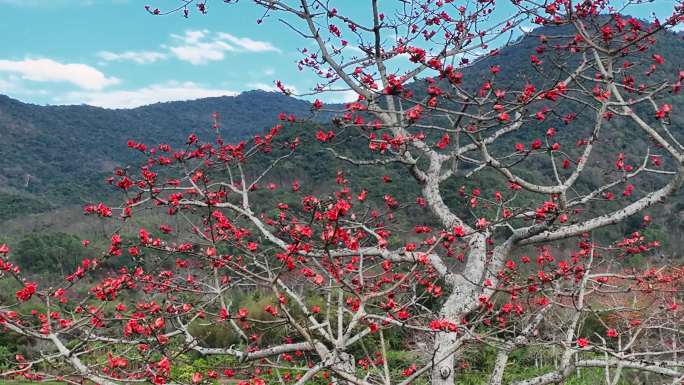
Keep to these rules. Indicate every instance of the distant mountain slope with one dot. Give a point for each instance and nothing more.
(47, 149)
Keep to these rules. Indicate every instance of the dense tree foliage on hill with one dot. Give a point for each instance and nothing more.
(46, 148)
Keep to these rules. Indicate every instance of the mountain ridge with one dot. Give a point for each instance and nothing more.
(5, 98)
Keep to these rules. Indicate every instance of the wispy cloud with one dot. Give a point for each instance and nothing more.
(196, 47)
(247, 44)
(346, 96)
(139, 57)
(201, 53)
(48, 70)
(191, 36)
(14, 86)
(201, 46)
(193, 48)
(155, 93)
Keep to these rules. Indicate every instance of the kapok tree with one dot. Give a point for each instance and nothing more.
(515, 265)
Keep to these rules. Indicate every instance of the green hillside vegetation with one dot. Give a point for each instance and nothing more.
(57, 157)
(64, 152)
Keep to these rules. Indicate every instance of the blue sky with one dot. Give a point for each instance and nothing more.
(112, 53)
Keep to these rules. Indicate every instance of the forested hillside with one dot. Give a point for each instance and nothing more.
(50, 151)
(56, 158)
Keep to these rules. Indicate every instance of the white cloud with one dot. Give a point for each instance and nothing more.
(192, 48)
(191, 37)
(346, 96)
(201, 46)
(247, 44)
(201, 53)
(139, 57)
(48, 70)
(14, 86)
(165, 92)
